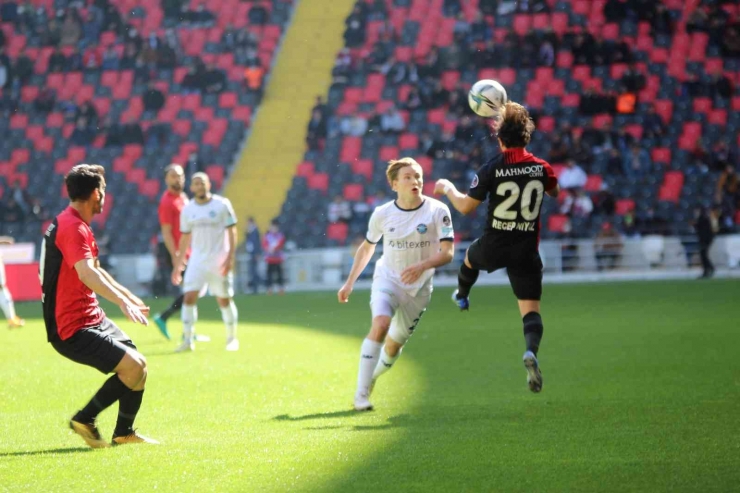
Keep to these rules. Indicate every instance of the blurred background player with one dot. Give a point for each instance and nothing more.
(170, 206)
(6, 300)
(417, 237)
(76, 326)
(253, 245)
(208, 225)
(514, 182)
(273, 244)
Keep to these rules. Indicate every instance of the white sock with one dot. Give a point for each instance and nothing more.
(6, 303)
(230, 315)
(385, 363)
(189, 317)
(368, 359)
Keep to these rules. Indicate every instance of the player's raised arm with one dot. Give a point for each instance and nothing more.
(362, 258)
(460, 201)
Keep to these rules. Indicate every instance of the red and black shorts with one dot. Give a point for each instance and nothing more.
(101, 347)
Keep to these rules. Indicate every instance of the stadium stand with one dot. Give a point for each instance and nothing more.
(642, 95)
(132, 85)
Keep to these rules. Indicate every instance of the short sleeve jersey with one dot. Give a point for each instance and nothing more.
(68, 304)
(170, 207)
(207, 225)
(514, 182)
(409, 236)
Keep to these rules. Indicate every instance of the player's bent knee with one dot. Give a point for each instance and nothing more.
(528, 306)
(392, 347)
(190, 298)
(380, 327)
(223, 302)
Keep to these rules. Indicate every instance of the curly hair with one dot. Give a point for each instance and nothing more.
(516, 126)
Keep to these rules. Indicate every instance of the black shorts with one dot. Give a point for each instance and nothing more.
(522, 263)
(101, 347)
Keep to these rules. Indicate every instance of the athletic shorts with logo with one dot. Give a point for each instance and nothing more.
(389, 299)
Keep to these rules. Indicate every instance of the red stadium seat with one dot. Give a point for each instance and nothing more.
(541, 21)
(610, 31)
(559, 23)
(522, 23)
(242, 113)
(353, 95)
(702, 105)
(388, 152)
(546, 124)
(557, 223)
(507, 76)
(718, 117)
(426, 164)
(55, 120)
(18, 121)
(319, 181)
(661, 155)
(571, 100)
(408, 141)
(216, 174)
(76, 154)
(337, 232)
(136, 175)
(564, 59)
(664, 108)
(623, 206)
(581, 73)
(436, 116)
(304, 169)
(148, 188)
(593, 183)
(363, 167)
(353, 192)
(20, 156)
(227, 100)
(635, 130)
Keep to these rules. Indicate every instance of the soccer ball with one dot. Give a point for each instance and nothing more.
(486, 98)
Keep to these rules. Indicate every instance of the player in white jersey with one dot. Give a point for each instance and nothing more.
(417, 237)
(6, 300)
(208, 225)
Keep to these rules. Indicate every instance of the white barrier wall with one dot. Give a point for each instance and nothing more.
(572, 261)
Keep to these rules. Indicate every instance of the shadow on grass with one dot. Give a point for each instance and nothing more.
(53, 451)
(399, 421)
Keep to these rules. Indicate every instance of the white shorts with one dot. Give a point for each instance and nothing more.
(389, 299)
(198, 277)
(2, 273)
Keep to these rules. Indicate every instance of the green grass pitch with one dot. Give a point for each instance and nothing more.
(641, 394)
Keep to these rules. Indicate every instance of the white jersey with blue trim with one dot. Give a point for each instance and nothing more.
(207, 224)
(409, 236)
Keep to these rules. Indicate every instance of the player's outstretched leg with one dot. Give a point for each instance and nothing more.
(466, 277)
(161, 319)
(230, 315)
(8, 308)
(533, 330)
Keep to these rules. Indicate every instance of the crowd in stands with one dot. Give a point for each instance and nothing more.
(582, 145)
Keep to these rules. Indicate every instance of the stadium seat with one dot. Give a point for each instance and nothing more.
(319, 181)
(337, 232)
(556, 223)
(353, 192)
(623, 206)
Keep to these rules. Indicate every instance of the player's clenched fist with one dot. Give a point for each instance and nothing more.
(441, 187)
(176, 276)
(344, 292)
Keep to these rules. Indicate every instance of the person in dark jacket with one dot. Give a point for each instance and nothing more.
(705, 235)
(253, 244)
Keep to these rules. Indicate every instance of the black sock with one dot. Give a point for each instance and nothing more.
(128, 407)
(533, 330)
(465, 280)
(110, 392)
(175, 306)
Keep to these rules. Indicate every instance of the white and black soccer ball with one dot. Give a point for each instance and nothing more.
(486, 98)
